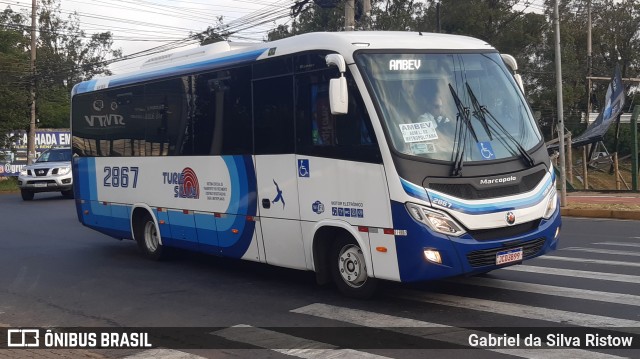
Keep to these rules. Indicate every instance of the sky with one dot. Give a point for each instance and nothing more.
(138, 25)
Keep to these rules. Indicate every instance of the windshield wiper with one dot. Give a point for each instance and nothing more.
(478, 110)
(481, 111)
(460, 138)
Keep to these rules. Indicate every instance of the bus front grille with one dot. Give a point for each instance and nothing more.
(487, 257)
(468, 191)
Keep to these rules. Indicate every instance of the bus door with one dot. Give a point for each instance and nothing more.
(276, 173)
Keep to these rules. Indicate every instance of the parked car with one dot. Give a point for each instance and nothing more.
(51, 172)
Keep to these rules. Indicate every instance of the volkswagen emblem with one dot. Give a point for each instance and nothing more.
(511, 218)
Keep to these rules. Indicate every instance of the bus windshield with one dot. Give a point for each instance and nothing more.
(439, 106)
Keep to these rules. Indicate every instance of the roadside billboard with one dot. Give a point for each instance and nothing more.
(13, 155)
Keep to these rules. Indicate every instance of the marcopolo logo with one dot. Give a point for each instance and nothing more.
(498, 180)
(185, 183)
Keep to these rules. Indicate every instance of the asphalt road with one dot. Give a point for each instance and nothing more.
(56, 273)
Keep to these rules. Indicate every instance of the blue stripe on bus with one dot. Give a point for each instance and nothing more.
(84, 178)
(414, 190)
(174, 71)
(242, 203)
(85, 86)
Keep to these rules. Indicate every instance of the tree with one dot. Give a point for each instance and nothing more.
(14, 74)
(66, 55)
(213, 33)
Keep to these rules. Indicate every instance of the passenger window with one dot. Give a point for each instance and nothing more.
(319, 133)
(273, 116)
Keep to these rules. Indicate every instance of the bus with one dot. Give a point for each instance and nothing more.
(317, 152)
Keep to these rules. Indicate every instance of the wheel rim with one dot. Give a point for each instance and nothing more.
(151, 237)
(352, 266)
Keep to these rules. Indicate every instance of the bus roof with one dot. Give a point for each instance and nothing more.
(228, 54)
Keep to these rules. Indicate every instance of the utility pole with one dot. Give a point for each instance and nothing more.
(31, 138)
(585, 164)
(563, 175)
(589, 60)
(349, 15)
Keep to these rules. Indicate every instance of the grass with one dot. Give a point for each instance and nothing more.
(9, 184)
(605, 206)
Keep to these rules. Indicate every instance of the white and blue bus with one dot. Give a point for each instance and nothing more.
(319, 152)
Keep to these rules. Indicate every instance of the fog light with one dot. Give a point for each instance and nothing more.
(557, 233)
(432, 255)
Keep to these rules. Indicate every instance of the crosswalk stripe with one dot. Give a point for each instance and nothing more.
(288, 344)
(433, 331)
(626, 278)
(618, 298)
(521, 310)
(163, 354)
(590, 261)
(637, 245)
(602, 251)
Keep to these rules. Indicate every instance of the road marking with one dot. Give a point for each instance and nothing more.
(521, 310)
(432, 331)
(163, 354)
(576, 273)
(590, 261)
(621, 243)
(601, 251)
(618, 298)
(288, 344)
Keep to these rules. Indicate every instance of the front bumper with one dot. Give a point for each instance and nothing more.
(45, 184)
(464, 255)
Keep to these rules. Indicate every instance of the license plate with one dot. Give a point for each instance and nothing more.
(508, 256)
(39, 185)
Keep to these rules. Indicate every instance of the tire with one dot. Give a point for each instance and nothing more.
(148, 238)
(67, 194)
(27, 195)
(349, 269)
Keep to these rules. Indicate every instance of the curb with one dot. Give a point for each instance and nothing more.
(600, 213)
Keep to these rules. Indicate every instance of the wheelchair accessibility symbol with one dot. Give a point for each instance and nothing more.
(486, 151)
(303, 168)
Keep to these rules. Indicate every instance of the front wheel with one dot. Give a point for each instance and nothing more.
(67, 194)
(148, 239)
(349, 269)
(26, 195)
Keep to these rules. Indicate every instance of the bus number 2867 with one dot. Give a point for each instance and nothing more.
(120, 177)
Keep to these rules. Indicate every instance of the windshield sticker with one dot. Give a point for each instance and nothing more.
(404, 65)
(418, 132)
(421, 148)
(486, 151)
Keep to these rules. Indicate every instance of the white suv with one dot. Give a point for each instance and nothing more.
(51, 172)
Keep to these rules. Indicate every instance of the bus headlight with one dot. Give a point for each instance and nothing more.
(552, 204)
(438, 221)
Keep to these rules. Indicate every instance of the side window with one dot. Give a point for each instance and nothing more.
(223, 111)
(108, 123)
(164, 112)
(319, 133)
(273, 115)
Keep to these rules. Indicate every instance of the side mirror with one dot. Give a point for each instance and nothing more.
(338, 93)
(513, 65)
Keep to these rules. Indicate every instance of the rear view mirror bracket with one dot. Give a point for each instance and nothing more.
(338, 93)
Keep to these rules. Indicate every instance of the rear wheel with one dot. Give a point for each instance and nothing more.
(26, 195)
(349, 269)
(148, 238)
